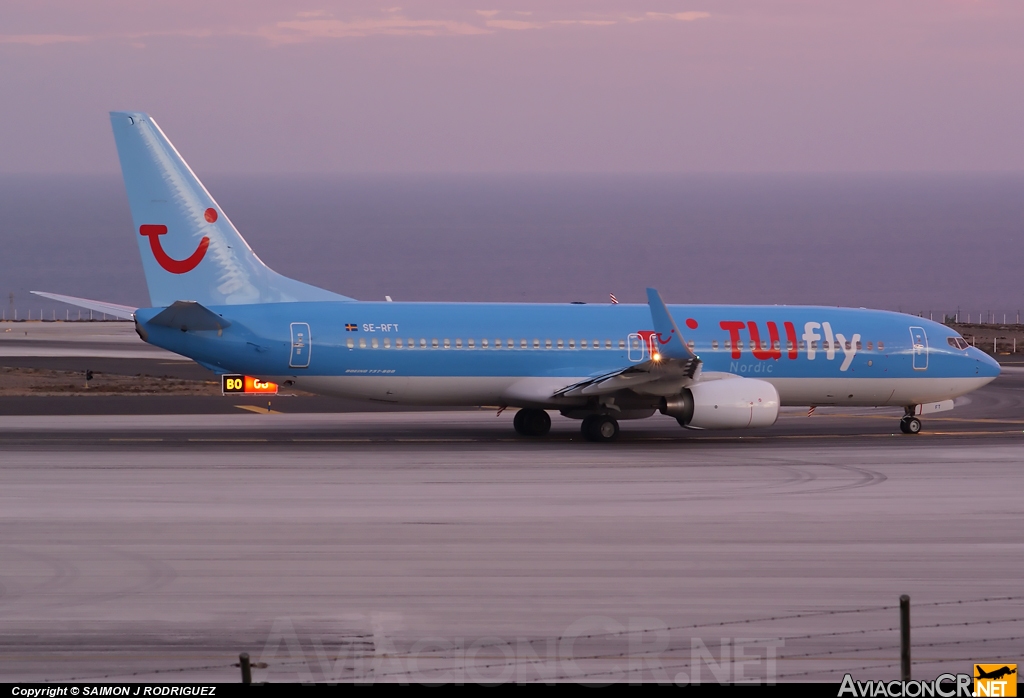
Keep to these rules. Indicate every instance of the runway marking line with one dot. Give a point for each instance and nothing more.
(979, 420)
(112, 439)
(257, 409)
(231, 440)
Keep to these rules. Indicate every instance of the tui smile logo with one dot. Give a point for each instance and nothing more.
(176, 266)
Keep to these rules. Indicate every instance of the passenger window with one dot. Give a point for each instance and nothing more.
(433, 344)
(458, 343)
(789, 345)
(547, 343)
(398, 343)
(775, 344)
(472, 344)
(881, 346)
(814, 344)
(362, 343)
(583, 344)
(484, 343)
(714, 344)
(560, 344)
(849, 346)
(497, 344)
(870, 347)
(522, 344)
(387, 342)
(858, 346)
(511, 344)
(351, 343)
(753, 344)
(597, 344)
(691, 345)
(447, 343)
(373, 342)
(423, 343)
(572, 343)
(536, 344)
(622, 344)
(607, 344)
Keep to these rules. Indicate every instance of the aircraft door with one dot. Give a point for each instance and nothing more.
(636, 347)
(919, 346)
(301, 346)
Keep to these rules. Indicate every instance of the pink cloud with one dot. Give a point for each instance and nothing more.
(298, 30)
(44, 39)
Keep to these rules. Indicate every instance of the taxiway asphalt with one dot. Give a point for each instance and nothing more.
(440, 547)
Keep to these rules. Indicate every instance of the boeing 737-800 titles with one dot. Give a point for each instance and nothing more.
(708, 366)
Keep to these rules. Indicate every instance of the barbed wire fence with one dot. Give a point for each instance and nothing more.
(600, 656)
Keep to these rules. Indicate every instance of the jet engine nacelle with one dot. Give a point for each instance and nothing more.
(730, 403)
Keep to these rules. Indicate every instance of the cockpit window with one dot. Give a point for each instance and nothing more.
(957, 342)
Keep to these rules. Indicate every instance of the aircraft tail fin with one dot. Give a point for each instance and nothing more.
(190, 250)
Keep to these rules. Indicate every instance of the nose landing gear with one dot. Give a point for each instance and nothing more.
(910, 425)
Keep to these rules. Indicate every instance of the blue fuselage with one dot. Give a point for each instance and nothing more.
(813, 355)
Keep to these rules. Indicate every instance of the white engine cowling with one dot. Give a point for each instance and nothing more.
(730, 403)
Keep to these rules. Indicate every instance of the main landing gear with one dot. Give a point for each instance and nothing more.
(910, 425)
(600, 427)
(531, 422)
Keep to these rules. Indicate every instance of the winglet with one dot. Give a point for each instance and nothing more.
(665, 326)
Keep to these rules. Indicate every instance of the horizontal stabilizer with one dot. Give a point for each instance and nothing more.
(189, 315)
(125, 312)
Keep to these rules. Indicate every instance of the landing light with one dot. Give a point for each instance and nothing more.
(656, 357)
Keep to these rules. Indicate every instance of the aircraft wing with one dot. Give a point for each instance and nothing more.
(671, 367)
(646, 377)
(125, 312)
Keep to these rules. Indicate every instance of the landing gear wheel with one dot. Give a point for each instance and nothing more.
(530, 422)
(600, 428)
(910, 425)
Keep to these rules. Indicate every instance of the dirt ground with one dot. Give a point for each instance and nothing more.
(37, 381)
(993, 339)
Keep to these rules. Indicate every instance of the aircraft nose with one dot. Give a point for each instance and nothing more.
(985, 365)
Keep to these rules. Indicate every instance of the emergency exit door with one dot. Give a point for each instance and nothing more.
(301, 345)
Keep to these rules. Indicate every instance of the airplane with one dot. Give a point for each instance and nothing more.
(996, 673)
(708, 366)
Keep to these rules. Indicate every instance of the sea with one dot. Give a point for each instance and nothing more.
(937, 245)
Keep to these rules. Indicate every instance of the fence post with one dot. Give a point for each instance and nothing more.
(905, 637)
(243, 661)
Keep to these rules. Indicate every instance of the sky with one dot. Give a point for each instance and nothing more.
(557, 86)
